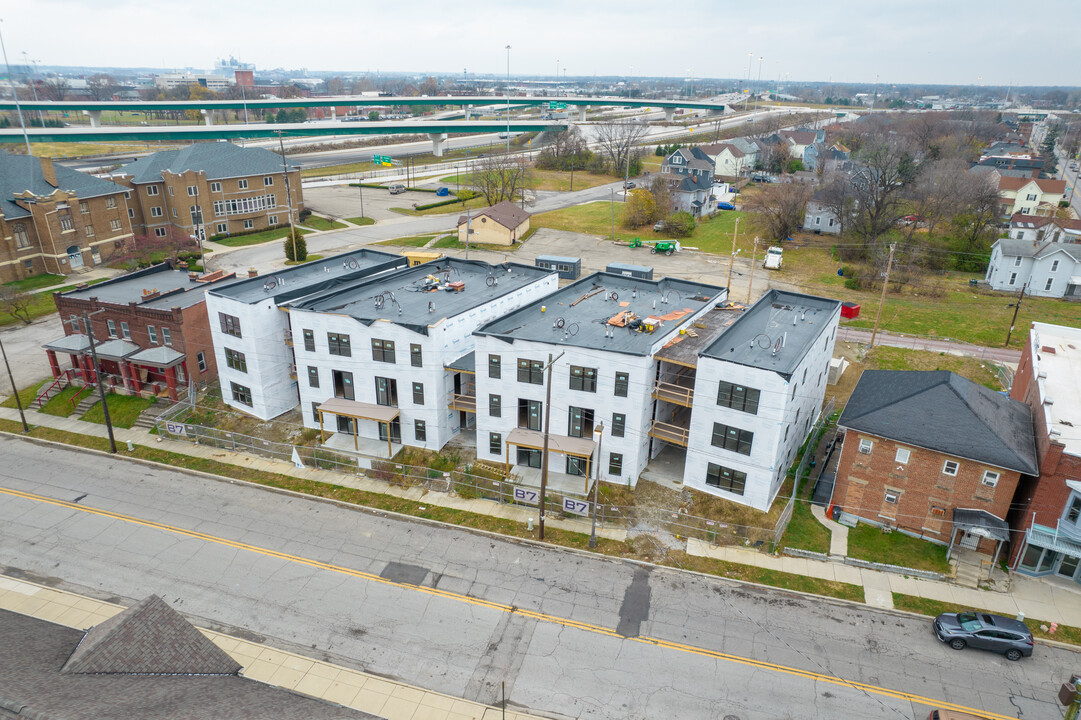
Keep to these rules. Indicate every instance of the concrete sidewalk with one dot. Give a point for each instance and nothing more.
(333, 683)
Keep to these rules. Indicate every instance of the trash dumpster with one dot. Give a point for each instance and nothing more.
(850, 310)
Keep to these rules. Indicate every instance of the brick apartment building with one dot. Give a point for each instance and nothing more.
(150, 328)
(1046, 522)
(935, 454)
(56, 220)
(208, 189)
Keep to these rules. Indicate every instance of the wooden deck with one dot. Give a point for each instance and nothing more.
(669, 433)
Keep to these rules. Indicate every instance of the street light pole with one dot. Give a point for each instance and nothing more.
(15, 95)
(598, 434)
(757, 90)
(33, 86)
(288, 198)
(508, 99)
(14, 389)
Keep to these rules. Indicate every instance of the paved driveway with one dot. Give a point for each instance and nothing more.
(22, 343)
(343, 201)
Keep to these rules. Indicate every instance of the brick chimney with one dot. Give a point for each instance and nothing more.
(48, 171)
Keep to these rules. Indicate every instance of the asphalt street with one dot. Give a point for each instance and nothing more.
(572, 635)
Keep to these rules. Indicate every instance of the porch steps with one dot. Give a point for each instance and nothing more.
(146, 417)
(86, 403)
(43, 399)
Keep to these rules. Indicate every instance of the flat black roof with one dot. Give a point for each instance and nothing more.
(578, 314)
(775, 333)
(300, 280)
(175, 288)
(401, 296)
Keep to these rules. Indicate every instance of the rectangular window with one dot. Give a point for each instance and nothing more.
(383, 350)
(131, 213)
(111, 325)
(309, 340)
(615, 464)
(167, 337)
(619, 423)
(1017, 261)
(155, 211)
(990, 478)
(416, 355)
(152, 334)
(343, 384)
(495, 405)
(66, 223)
(219, 208)
(174, 209)
(579, 422)
(313, 376)
(76, 324)
(339, 344)
(576, 465)
(420, 430)
(89, 230)
(114, 225)
(529, 414)
(583, 378)
(418, 393)
(241, 394)
(222, 228)
(495, 443)
(249, 224)
(727, 479)
(215, 187)
(1074, 512)
(200, 358)
(268, 181)
(622, 382)
(1048, 284)
(731, 438)
(866, 446)
(242, 184)
(386, 392)
(531, 371)
(236, 360)
(950, 468)
(891, 497)
(738, 397)
(193, 191)
(125, 331)
(1013, 279)
(1054, 266)
(902, 456)
(151, 189)
(230, 324)
(495, 369)
(273, 220)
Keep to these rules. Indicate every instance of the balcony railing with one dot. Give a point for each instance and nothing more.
(288, 338)
(669, 433)
(293, 371)
(676, 394)
(464, 403)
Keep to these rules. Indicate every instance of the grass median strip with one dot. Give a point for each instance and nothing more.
(933, 608)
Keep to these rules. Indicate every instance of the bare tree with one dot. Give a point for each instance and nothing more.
(16, 303)
(836, 196)
(567, 149)
(500, 178)
(101, 86)
(54, 89)
(781, 208)
(886, 167)
(619, 142)
(661, 190)
(144, 249)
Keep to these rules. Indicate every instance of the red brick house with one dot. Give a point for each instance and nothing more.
(150, 329)
(934, 454)
(1046, 522)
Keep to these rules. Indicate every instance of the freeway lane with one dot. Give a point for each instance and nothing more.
(327, 581)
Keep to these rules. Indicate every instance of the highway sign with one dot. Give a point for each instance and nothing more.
(553, 105)
(382, 160)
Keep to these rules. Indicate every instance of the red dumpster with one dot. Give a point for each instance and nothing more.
(850, 310)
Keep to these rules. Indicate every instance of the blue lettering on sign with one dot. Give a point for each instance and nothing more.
(525, 495)
(576, 507)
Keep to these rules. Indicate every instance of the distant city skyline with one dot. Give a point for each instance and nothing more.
(915, 42)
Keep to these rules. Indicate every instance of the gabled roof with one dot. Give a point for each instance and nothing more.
(218, 160)
(1027, 222)
(505, 213)
(944, 412)
(19, 173)
(799, 137)
(1026, 248)
(1055, 187)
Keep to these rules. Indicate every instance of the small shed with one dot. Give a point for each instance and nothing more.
(569, 268)
(642, 272)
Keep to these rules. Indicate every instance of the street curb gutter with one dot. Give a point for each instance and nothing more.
(488, 533)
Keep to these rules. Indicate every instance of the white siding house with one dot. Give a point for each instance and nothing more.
(1043, 255)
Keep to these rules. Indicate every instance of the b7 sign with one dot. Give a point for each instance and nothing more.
(575, 507)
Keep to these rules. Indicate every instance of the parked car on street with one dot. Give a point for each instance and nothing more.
(629, 185)
(996, 633)
(659, 226)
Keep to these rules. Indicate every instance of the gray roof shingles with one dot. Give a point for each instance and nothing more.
(218, 160)
(19, 173)
(945, 412)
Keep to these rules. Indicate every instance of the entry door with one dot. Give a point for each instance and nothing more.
(346, 425)
(75, 257)
(970, 541)
(529, 458)
(1068, 567)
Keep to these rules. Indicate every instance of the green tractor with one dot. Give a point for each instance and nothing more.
(636, 243)
(665, 246)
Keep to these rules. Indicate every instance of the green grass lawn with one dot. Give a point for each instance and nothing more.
(124, 410)
(451, 241)
(418, 241)
(321, 223)
(891, 358)
(27, 394)
(804, 531)
(41, 304)
(311, 258)
(713, 235)
(61, 404)
(361, 221)
(36, 282)
(867, 542)
(933, 608)
(259, 237)
(544, 180)
(453, 208)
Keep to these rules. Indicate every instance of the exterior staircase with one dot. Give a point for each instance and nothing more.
(970, 569)
(146, 418)
(85, 404)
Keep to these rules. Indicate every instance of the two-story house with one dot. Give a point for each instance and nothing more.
(1047, 507)
(1042, 254)
(690, 172)
(1029, 196)
(732, 159)
(935, 454)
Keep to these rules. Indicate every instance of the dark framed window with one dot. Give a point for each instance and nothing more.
(386, 391)
(732, 438)
(339, 344)
(343, 384)
(529, 414)
(619, 423)
(200, 358)
(313, 376)
(416, 356)
(495, 367)
(738, 397)
(230, 324)
(236, 360)
(724, 478)
(420, 430)
(576, 465)
(530, 371)
(241, 394)
(622, 383)
(495, 405)
(495, 443)
(315, 411)
(383, 350)
(418, 393)
(1075, 511)
(615, 463)
(579, 422)
(583, 378)
(309, 340)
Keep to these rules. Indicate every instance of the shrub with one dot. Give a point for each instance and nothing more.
(304, 214)
(847, 271)
(852, 283)
(296, 247)
(463, 195)
(680, 224)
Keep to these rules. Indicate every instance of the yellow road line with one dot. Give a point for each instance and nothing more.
(502, 607)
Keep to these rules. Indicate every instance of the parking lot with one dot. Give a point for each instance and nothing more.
(343, 201)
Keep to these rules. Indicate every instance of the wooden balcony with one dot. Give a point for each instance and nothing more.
(464, 403)
(288, 338)
(672, 393)
(669, 433)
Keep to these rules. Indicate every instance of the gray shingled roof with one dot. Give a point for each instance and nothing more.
(218, 160)
(149, 638)
(19, 173)
(945, 412)
(1024, 248)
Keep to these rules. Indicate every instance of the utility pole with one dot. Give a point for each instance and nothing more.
(468, 230)
(750, 281)
(14, 389)
(288, 199)
(882, 298)
(1016, 309)
(598, 434)
(732, 260)
(101, 385)
(508, 132)
(547, 424)
(360, 186)
(613, 203)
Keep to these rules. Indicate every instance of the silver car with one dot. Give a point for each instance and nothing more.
(996, 633)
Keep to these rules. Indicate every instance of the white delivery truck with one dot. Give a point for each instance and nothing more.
(773, 258)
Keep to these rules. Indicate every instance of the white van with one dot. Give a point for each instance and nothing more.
(396, 188)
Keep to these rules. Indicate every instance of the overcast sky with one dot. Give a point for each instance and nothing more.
(993, 42)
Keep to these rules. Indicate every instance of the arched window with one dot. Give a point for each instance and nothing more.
(22, 240)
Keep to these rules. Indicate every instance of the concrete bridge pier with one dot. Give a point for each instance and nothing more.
(437, 143)
(95, 117)
(208, 116)
(582, 112)
(669, 114)
(468, 113)
(333, 113)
